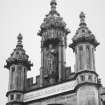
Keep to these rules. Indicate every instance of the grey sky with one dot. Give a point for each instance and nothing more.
(25, 16)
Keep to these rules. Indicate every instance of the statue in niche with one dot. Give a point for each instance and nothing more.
(51, 49)
(50, 63)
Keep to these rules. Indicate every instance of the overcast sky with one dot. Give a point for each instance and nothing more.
(25, 16)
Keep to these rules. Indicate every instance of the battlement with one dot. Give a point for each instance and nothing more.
(30, 85)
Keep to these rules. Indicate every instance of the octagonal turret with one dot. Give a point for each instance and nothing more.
(18, 55)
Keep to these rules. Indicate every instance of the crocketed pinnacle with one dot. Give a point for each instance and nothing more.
(53, 20)
(19, 56)
(53, 11)
(82, 19)
(53, 4)
(83, 34)
(19, 42)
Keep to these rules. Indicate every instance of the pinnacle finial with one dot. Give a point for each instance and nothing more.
(82, 19)
(20, 37)
(53, 4)
(19, 42)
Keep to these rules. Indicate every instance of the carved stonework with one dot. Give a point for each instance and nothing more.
(53, 20)
(19, 55)
(51, 63)
(83, 34)
(56, 84)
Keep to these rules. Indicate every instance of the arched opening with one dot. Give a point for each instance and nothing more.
(88, 57)
(81, 56)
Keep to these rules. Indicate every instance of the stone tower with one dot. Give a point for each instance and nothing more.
(18, 65)
(84, 45)
(53, 43)
(56, 84)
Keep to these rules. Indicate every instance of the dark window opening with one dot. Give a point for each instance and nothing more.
(90, 77)
(81, 56)
(82, 78)
(88, 56)
(18, 96)
(12, 97)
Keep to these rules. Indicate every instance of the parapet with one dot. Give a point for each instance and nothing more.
(69, 74)
(30, 85)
